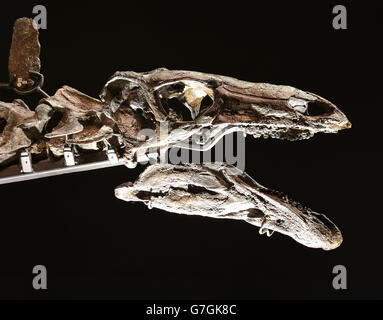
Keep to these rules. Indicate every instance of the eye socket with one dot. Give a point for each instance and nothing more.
(185, 100)
(178, 110)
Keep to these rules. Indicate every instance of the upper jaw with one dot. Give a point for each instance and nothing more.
(259, 109)
(290, 118)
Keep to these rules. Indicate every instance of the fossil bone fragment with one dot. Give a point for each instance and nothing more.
(220, 191)
(24, 53)
(75, 107)
(82, 122)
(19, 119)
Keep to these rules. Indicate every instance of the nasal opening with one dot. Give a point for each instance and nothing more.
(318, 108)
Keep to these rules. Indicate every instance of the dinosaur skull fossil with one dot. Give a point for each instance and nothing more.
(190, 101)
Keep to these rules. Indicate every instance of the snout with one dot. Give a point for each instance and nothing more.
(320, 232)
(323, 113)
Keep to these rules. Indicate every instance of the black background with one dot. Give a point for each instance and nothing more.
(96, 246)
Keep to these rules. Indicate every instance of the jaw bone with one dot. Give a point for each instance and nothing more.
(222, 191)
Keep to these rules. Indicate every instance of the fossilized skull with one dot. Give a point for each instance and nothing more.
(191, 101)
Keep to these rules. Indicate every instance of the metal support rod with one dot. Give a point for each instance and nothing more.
(60, 171)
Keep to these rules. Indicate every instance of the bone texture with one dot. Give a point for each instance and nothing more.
(19, 122)
(24, 53)
(82, 123)
(139, 100)
(221, 191)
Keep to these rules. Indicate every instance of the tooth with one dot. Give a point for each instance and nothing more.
(262, 230)
(269, 232)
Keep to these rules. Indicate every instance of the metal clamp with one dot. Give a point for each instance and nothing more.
(38, 81)
(26, 162)
(112, 156)
(69, 157)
